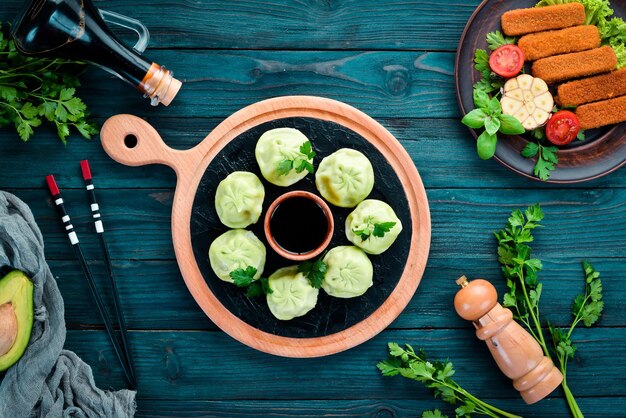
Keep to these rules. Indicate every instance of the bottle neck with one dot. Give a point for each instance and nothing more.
(159, 85)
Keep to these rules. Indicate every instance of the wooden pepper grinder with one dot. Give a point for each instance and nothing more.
(516, 352)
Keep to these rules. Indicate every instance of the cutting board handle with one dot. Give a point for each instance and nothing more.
(133, 141)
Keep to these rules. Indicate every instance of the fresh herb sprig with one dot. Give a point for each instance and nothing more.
(298, 163)
(35, 90)
(488, 115)
(521, 273)
(490, 81)
(436, 375)
(547, 158)
(245, 278)
(377, 229)
(314, 271)
(496, 39)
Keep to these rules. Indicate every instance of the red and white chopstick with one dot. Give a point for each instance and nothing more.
(71, 234)
(97, 221)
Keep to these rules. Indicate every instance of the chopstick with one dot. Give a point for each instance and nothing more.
(95, 209)
(71, 234)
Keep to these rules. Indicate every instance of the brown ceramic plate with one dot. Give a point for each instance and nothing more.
(604, 150)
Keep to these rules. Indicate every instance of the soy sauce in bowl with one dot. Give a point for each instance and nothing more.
(299, 225)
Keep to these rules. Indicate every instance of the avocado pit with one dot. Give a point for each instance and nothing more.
(8, 328)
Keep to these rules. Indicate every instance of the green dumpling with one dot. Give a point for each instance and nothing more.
(345, 178)
(278, 145)
(349, 272)
(292, 294)
(373, 226)
(239, 199)
(236, 249)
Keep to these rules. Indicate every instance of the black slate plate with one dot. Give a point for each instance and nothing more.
(604, 150)
(330, 315)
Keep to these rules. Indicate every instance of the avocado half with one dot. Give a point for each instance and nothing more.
(16, 317)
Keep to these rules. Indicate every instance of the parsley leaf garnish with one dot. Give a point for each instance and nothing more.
(34, 90)
(299, 163)
(496, 39)
(314, 271)
(377, 229)
(245, 278)
(547, 158)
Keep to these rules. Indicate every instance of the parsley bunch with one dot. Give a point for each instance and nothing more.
(521, 273)
(436, 375)
(377, 229)
(34, 90)
(299, 163)
(245, 278)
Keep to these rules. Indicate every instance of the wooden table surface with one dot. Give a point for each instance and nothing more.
(393, 60)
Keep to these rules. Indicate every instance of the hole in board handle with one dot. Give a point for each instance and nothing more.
(130, 141)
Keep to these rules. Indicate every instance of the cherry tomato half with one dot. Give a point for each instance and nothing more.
(507, 61)
(562, 128)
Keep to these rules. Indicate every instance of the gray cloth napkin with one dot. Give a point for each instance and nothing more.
(47, 381)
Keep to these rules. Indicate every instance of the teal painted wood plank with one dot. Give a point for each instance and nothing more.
(442, 149)
(218, 83)
(295, 24)
(138, 222)
(212, 366)
(170, 306)
(548, 408)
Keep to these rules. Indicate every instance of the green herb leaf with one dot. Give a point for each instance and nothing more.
(433, 414)
(496, 39)
(492, 125)
(486, 145)
(245, 278)
(509, 125)
(299, 163)
(377, 229)
(314, 271)
(530, 150)
(475, 119)
(481, 99)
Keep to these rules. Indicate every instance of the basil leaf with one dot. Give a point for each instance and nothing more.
(492, 125)
(509, 125)
(481, 98)
(486, 145)
(475, 119)
(494, 107)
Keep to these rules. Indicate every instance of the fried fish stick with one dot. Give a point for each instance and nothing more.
(537, 19)
(578, 64)
(556, 42)
(592, 89)
(607, 112)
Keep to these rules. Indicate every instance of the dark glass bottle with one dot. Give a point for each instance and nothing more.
(75, 29)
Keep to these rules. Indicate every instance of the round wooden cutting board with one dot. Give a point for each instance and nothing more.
(334, 324)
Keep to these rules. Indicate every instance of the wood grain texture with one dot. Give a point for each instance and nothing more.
(549, 408)
(294, 24)
(462, 221)
(434, 145)
(218, 83)
(212, 366)
(190, 166)
(171, 307)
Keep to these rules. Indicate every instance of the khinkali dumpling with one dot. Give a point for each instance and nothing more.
(280, 145)
(349, 272)
(239, 199)
(345, 178)
(236, 249)
(373, 226)
(292, 294)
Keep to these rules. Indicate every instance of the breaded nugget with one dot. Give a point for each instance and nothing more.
(556, 42)
(592, 89)
(578, 64)
(537, 19)
(607, 112)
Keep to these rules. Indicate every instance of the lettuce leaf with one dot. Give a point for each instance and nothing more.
(613, 31)
(596, 11)
(620, 51)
